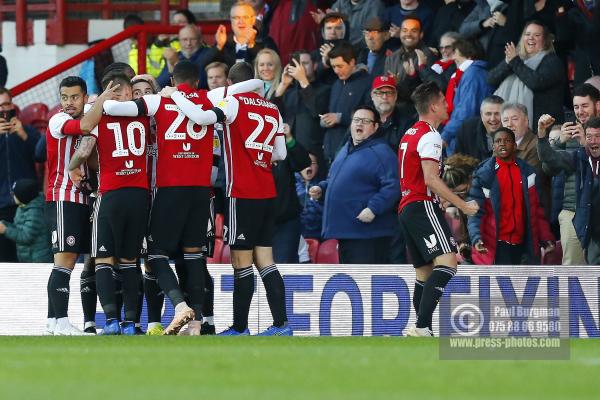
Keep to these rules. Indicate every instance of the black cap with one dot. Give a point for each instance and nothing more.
(376, 24)
(25, 190)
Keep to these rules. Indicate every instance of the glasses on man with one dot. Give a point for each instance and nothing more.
(384, 93)
(364, 121)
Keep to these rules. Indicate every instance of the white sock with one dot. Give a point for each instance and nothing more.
(210, 320)
(138, 325)
(89, 324)
(153, 324)
(62, 321)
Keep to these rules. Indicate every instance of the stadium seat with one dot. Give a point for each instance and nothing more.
(226, 255)
(216, 258)
(327, 253)
(36, 114)
(219, 220)
(313, 247)
(554, 257)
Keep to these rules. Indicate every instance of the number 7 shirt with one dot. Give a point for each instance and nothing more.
(121, 144)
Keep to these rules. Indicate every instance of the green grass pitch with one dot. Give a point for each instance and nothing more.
(144, 368)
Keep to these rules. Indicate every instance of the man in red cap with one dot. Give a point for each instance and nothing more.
(396, 115)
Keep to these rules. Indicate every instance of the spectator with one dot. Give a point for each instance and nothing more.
(443, 69)
(287, 206)
(474, 137)
(377, 35)
(457, 175)
(472, 88)
(28, 231)
(404, 63)
(514, 117)
(510, 225)
(583, 163)
(358, 13)
(334, 30)
(311, 217)
(531, 74)
(398, 13)
(360, 193)
(396, 118)
(449, 18)
(267, 66)
(216, 74)
(586, 104)
(292, 27)
(17, 148)
(301, 99)
(193, 49)
(394, 121)
(167, 46)
(244, 44)
(580, 26)
(495, 23)
(350, 90)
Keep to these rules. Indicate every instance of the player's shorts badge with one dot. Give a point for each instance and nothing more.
(71, 240)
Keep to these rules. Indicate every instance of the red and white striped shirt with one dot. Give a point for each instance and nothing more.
(62, 139)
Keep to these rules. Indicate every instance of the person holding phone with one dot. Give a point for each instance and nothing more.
(586, 105)
(17, 148)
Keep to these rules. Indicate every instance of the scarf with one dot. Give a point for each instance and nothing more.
(513, 90)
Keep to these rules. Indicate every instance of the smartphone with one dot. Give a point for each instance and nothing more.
(570, 117)
(8, 114)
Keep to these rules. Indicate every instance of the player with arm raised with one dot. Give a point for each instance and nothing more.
(428, 236)
(253, 138)
(67, 210)
(120, 211)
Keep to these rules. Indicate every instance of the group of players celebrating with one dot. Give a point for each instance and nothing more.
(155, 159)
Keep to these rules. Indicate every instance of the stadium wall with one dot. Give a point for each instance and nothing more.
(25, 62)
(339, 300)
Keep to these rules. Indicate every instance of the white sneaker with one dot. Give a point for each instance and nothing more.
(50, 327)
(413, 331)
(64, 328)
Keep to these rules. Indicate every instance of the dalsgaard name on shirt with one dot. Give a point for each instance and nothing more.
(257, 102)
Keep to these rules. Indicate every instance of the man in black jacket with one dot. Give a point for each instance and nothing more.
(379, 46)
(474, 136)
(246, 42)
(286, 237)
(301, 99)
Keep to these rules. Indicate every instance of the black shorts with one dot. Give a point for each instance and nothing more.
(426, 232)
(179, 217)
(119, 223)
(69, 226)
(249, 223)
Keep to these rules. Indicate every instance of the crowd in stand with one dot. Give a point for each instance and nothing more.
(522, 138)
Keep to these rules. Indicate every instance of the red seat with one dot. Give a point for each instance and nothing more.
(328, 252)
(36, 114)
(226, 255)
(554, 257)
(313, 248)
(216, 258)
(219, 221)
